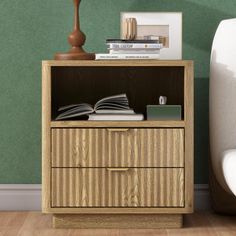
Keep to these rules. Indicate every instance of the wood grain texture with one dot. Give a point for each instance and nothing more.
(189, 134)
(135, 187)
(121, 124)
(117, 147)
(61, 82)
(119, 210)
(118, 221)
(125, 63)
(46, 136)
(35, 223)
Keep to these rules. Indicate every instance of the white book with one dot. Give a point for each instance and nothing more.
(135, 45)
(110, 111)
(134, 51)
(140, 56)
(120, 117)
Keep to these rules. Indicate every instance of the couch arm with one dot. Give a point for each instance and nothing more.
(229, 169)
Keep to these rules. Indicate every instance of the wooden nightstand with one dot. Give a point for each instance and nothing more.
(115, 174)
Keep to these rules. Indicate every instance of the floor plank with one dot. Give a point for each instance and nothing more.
(37, 224)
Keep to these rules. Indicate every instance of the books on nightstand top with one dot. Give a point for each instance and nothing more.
(120, 49)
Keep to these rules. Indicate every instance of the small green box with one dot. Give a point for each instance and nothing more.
(163, 112)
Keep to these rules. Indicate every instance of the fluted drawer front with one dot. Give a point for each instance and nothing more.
(102, 187)
(118, 147)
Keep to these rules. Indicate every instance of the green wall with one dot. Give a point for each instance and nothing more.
(31, 31)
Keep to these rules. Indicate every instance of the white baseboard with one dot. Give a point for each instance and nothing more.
(27, 197)
(20, 197)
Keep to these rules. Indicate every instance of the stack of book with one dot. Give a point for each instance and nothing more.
(109, 108)
(120, 49)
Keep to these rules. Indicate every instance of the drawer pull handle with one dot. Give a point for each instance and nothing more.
(118, 130)
(117, 169)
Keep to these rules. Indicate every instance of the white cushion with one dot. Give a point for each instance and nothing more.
(229, 169)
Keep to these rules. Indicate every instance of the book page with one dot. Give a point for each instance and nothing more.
(75, 105)
(78, 110)
(120, 101)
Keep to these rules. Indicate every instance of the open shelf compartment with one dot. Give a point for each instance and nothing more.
(143, 85)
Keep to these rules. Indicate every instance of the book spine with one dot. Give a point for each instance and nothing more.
(135, 51)
(131, 41)
(134, 45)
(152, 37)
(137, 117)
(127, 56)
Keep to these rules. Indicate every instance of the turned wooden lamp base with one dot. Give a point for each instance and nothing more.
(74, 56)
(76, 39)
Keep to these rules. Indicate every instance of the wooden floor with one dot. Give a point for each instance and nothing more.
(35, 223)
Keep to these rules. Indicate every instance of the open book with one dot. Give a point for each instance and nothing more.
(117, 104)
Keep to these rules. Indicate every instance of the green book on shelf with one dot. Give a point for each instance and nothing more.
(163, 112)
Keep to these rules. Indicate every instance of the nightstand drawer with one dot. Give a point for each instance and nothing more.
(117, 147)
(117, 187)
